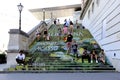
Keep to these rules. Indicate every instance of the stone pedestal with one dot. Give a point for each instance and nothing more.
(18, 40)
(11, 61)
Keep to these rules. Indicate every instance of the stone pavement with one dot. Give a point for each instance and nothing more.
(59, 76)
(3, 66)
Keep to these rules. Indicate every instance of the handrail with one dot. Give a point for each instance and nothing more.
(32, 32)
(39, 27)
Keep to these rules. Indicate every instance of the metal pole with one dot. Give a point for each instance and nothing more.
(20, 7)
(19, 20)
(51, 17)
(43, 15)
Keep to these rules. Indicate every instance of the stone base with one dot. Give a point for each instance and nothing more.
(11, 58)
(116, 63)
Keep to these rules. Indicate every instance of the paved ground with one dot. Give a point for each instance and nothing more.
(59, 76)
(3, 66)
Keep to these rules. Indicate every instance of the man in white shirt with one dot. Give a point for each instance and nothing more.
(20, 58)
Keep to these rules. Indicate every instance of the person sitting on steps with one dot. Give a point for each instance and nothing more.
(102, 56)
(85, 55)
(93, 55)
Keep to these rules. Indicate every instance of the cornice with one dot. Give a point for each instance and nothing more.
(85, 8)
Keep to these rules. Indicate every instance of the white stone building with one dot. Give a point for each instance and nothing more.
(102, 18)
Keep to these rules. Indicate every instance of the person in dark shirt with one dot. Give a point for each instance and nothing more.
(75, 48)
(69, 37)
(69, 42)
(55, 21)
(85, 55)
(45, 34)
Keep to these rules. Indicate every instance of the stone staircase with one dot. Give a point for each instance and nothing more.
(50, 56)
(44, 63)
(47, 64)
(55, 64)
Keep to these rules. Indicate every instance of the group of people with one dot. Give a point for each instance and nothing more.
(71, 44)
(45, 35)
(93, 55)
(67, 28)
(57, 21)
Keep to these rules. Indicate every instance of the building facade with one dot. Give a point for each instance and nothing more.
(102, 18)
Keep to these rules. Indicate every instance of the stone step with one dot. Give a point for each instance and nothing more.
(55, 64)
(60, 71)
(71, 67)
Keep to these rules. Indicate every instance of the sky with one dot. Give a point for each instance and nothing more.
(9, 15)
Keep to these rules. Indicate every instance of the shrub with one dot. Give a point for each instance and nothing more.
(3, 58)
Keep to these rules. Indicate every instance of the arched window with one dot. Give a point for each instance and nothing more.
(88, 14)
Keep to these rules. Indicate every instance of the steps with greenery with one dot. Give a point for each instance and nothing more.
(50, 56)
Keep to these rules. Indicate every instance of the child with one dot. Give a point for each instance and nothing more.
(48, 37)
(75, 48)
(65, 38)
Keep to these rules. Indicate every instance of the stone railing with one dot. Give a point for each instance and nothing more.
(32, 32)
(21, 40)
(39, 27)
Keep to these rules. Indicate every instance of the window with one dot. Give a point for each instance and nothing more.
(88, 14)
(104, 29)
(92, 7)
(97, 2)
